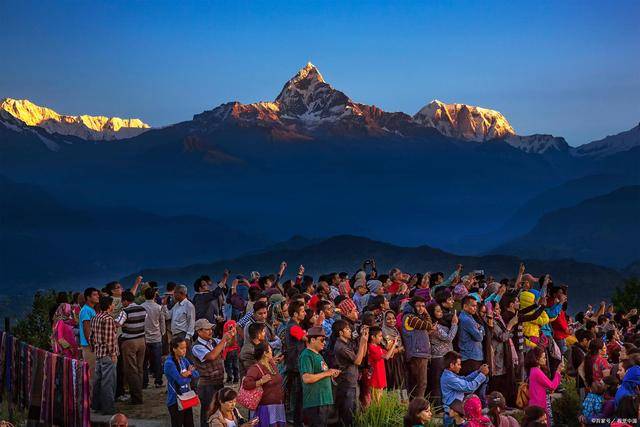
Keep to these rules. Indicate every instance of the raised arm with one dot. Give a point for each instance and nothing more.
(541, 378)
(391, 350)
(414, 322)
(520, 274)
(136, 284)
(362, 348)
(467, 384)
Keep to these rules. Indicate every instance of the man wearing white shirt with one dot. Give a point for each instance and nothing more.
(182, 315)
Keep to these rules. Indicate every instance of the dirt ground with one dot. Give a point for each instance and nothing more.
(154, 407)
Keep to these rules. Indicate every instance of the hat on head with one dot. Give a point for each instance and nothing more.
(457, 406)
(347, 305)
(492, 288)
(276, 298)
(316, 331)
(203, 324)
(373, 285)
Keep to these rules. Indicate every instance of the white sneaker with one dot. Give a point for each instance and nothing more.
(124, 398)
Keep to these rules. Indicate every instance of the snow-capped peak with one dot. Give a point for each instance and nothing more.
(307, 97)
(94, 128)
(464, 121)
(538, 143)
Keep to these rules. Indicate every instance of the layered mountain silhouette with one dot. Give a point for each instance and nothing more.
(588, 283)
(44, 242)
(602, 230)
(313, 161)
(526, 216)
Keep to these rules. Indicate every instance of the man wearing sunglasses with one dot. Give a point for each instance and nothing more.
(317, 396)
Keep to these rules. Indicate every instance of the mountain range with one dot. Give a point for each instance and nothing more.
(92, 128)
(309, 107)
(312, 162)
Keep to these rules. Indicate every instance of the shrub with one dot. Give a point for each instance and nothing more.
(389, 411)
(567, 408)
(627, 297)
(35, 328)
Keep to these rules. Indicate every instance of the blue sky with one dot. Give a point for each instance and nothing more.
(569, 68)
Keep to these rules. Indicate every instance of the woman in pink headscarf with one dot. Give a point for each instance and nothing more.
(63, 339)
(473, 413)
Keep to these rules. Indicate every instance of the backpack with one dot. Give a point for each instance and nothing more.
(522, 395)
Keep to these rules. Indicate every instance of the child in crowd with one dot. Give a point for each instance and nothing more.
(230, 354)
(593, 403)
(377, 356)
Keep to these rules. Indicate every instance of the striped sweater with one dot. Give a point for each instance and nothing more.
(132, 319)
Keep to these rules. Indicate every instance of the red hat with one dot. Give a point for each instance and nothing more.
(347, 305)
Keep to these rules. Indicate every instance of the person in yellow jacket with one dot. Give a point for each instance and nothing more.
(531, 328)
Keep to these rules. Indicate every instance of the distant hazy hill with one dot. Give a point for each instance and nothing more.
(633, 269)
(588, 282)
(525, 218)
(43, 242)
(602, 230)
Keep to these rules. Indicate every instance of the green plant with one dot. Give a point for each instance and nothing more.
(15, 417)
(627, 297)
(35, 328)
(389, 411)
(567, 408)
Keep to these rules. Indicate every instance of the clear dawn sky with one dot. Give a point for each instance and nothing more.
(569, 68)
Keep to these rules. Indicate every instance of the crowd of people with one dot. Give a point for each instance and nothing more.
(313, 351)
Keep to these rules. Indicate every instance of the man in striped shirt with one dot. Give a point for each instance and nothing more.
(132, 343)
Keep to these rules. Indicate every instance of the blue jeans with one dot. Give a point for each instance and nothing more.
(153, 363)
(104, 389)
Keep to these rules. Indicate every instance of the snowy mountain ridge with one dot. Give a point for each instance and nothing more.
(91, 128)
(308, 107)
